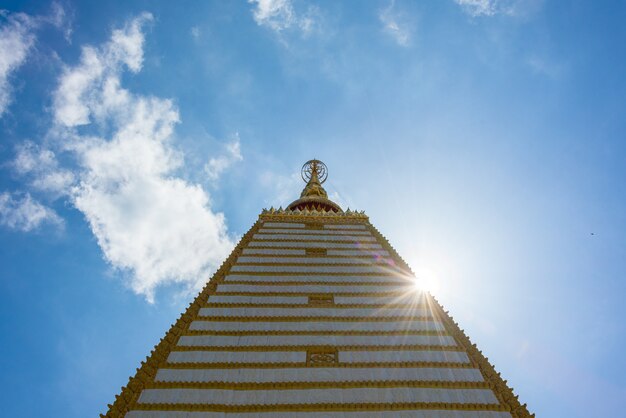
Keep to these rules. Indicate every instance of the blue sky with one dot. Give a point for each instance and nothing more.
(484, 138)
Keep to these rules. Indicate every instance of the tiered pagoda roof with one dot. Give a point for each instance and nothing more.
(314, 314)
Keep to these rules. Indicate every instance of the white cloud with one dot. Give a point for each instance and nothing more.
(16, 39)
(195, 32)
(281, 190)
(546, 66)
(21, 212)
(479, 7)
(41, 167)
(216, 166)
(395, 25)
(280, 15)
(519, 8)
(149, 223)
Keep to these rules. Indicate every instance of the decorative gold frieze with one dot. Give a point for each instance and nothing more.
(320, 407)
(317, 252)
(321, 300)
(322, 357)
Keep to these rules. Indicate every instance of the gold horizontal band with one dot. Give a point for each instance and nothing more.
(330, 332)
(303, 364)
(324, 407)
(342, 294)
(282, 264)
(306, 306)
(377, 247)
(314, 318)
(432, 384)
(318, 283)
(318, 273)
(308, 232)
(267, 348)
(313, 257)
(312, 240)
(308, 229)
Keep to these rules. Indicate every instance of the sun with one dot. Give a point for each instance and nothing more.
(427, 280)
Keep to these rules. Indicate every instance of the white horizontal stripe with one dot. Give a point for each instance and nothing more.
(320, 374)
(401, 280)
(237, 357)
(308, 340)
(309, 288)
(316, 396)
(316, 326)
(316, 269)
(429, 413)
(311, 232)
(321, 311)
(302, 226)
(271, 251)
(287, 300)
(402, 356)
(300, 356)
(282, 225)
(408, 298)
(314, 260)
(346, 226)
(357, 253)
(313, 237)
(298, 244)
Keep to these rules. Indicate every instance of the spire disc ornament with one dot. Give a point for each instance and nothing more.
(314, 166)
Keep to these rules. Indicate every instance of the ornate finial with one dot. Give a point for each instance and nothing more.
(314, 173)
(314, 168)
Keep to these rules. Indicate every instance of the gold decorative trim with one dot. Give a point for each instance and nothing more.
(383, 384)
(313, 254)
(266, 348)
(318, 283)
(283, 264)
(329, 332)
(377, 247)
(499, 386)
(303, 364)
(313, 273)
(313, 240)
(296, 294)
(322, 407)
(317, 252)
(146, 373)
(322, 357)
(416, 318)
(304, 216)
(322, 300)
(306, 306)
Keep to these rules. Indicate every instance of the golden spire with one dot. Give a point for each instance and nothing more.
(314, 197)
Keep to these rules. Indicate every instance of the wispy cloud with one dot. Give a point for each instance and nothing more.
(17, 38)
(149, 223)
(21, 212)
(41, 168)
(395, 24)
(195, 32)
(280, 15)
(216, 166)
(546, 66)
(478, 8)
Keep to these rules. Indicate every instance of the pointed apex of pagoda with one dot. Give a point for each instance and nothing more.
(314, 197)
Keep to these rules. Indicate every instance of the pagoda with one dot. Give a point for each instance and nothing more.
(314, 314)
